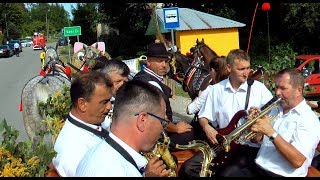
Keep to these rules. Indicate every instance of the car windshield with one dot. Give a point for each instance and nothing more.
(4, 47)
(14, 41)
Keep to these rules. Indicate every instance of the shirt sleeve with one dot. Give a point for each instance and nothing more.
(207, 109)
(197, 103)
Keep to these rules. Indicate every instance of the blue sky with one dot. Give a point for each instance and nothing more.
(67, 7)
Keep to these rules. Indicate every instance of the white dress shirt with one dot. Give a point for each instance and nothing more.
(104, 161)
(223, 102)
(198, 102)
(71, 144)
(299, 127)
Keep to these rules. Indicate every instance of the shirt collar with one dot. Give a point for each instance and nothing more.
(85, 123)
(140, 160)
(243, 86)
(149, 71)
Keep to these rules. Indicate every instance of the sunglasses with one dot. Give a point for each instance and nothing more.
(164, 122)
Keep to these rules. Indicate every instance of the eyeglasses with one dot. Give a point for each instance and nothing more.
(164, 122)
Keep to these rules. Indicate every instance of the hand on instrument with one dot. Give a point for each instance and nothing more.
(156, 168)
(211, 134)
(253, 112)
(263, 125)
(183, 127)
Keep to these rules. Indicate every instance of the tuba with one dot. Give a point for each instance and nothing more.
(241, 133)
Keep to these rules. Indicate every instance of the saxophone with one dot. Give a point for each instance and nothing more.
(161, 149)
(208, 155)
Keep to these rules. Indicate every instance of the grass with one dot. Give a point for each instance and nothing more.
(180, 92)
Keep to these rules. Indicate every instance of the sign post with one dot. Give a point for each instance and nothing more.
(71, 31)
(171, 20)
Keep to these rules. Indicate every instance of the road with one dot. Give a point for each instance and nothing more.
(15, 72)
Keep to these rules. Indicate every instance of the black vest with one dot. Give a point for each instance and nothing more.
(143, 76)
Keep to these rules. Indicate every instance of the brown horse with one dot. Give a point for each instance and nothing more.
(204, 52)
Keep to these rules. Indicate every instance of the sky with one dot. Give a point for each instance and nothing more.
(67, 7)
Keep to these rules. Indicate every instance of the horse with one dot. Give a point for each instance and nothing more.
(89, 57)
(204, 52)
(53, 76)
(193, 72)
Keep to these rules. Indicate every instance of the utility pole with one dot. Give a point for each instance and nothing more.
(47, 23)
(5, 18)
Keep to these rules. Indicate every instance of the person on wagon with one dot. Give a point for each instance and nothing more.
(137, 122)
(224, 100)
(154, 72)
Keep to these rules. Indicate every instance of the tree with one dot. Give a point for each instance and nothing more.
(86, 15)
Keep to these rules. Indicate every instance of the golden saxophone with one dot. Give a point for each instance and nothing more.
(161, 149)
(242, 133)
(207, 155)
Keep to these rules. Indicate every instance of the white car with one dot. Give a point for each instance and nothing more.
(26, 43)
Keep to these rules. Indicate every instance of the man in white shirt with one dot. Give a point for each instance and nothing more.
(90, 98)
(137, 122)
(289, 141)
(16, 48)
(224, 100)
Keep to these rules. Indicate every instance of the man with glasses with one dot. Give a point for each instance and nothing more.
(138, 120)
(154, 72)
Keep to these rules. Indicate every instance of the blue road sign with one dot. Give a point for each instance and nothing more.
(171, 18)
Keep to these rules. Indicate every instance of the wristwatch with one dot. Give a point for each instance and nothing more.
(273, 136)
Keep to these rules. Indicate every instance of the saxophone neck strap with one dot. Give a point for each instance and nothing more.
(105, 135)
(250, 82)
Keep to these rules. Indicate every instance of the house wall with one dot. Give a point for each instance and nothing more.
(219, 40)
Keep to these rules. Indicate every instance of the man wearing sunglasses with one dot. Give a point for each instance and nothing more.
(138, 120)
(154, 72)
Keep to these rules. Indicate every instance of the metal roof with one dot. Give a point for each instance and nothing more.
(194, 20)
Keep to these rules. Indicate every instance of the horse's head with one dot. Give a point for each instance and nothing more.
(89, 56)
(179, 65)
(204, 52)
(51, 63)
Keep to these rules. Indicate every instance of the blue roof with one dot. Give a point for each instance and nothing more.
(196, 20)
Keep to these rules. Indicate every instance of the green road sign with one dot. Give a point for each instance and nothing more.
(72, 31)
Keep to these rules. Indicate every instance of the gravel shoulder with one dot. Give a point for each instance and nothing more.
(179, 105)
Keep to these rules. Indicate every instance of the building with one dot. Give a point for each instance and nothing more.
(220, 34)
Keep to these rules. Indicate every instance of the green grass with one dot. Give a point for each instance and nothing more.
(180, 92)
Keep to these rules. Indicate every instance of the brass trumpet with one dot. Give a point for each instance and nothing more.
(235, 135)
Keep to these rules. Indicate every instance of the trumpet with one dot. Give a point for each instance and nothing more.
(239, 134)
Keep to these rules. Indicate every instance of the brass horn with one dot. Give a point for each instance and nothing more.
(235, 135)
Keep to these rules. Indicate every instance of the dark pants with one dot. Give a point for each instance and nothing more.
(239, 160)
(181, 139)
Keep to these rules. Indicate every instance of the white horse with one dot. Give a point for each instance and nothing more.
(39, 88)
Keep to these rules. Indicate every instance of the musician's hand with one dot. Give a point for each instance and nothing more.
(211, 134)
(263, 125)
(182, 127)
(253, 112)
(156, 168)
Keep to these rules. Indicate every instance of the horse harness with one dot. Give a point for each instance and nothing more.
(196, 70)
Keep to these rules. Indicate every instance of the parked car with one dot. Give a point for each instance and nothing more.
(63, 41)
(309, 65)
(18, 41)
(5, 51)
(26, 43)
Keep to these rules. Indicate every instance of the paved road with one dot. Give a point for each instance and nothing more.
(14, 74)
